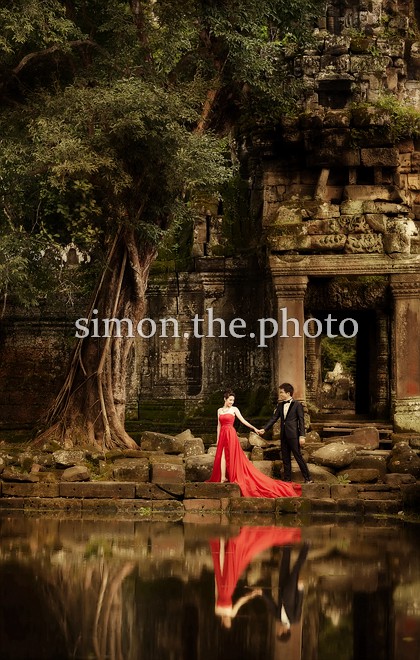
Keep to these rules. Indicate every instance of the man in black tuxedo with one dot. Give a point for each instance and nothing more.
(292, 431)
(288, 609)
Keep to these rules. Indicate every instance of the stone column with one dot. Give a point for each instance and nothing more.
(406, 352)
(290, 363)
(382, 367)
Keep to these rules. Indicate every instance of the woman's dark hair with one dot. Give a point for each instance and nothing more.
(228, 393)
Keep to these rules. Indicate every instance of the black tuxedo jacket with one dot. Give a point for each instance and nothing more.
(293, 426)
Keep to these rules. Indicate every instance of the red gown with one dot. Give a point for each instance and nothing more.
(241, 550)
(241, 471)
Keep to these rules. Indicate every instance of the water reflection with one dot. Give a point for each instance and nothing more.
(128, 590)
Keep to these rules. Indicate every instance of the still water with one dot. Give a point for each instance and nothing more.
(130, 590)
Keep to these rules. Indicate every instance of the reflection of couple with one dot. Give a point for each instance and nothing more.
(231, 557)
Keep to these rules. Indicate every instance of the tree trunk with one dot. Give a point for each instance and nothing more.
(90, 407)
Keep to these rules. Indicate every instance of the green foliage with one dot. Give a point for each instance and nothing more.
(116, 113)
(388, 116)
(338, 349)
(343, 479)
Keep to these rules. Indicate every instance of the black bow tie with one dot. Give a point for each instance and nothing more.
(289, 401)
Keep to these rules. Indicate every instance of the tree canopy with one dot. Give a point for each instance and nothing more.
(115, 116)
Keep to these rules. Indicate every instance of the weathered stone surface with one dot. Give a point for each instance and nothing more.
(360, 475)
(161, 491)
(211, 490)
(98, 489)
(76, 473)
(253, 504)
(381, 506)
(198, 468)
(12, 474)
(202, 505)
(257, 454)
(316, 490)
(403, 459)
(352, 505)
(169, 473)
(410, 496)
(381, 495)
(69, 457)
(395, 480)
(131, 469)
(184, 436)
(318, 473)
(194, 447)
(292, 505)
(370, 461)
(30, 489)
(323, 505)
(151, 441)
(256, 440)
(379, 157)
(266, 467)
(343, 491)
(335, 455)
(367, 436)
(311, 437)
(12, 503)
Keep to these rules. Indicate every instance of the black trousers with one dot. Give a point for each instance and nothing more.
(289, 447)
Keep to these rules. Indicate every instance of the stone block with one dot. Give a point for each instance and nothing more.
(371, 192)
(410, 496)
(211, 490)
(167, 506)
(367, 436)
(98, 489)
(316, 490)
(100, 506)
(76, 473)
(12, 502)
(323, 505)
(131, 469)
(198, 468)
(360, 475)
(253, 504)
(350, 505)
(266, 467)
(292, 505)
(382, 495)
(69, 457)
(381, 506)
(147, 491)
(12, 489)
(396, 480)
(151, 441)
(137, 507)
(202, 505)
(194, 447)
(168, 473)
(369, 461)
(336, 455)
(343, 491)
(379, 157)
(59, 504)
(206, 518)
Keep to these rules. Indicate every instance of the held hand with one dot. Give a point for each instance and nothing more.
(261, 431)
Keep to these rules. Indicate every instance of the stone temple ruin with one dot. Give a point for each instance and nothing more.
(329, 232)
(334, 197)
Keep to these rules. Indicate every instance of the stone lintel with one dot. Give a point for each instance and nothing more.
(330, 265)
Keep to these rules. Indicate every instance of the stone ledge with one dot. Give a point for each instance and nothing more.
(106, 489)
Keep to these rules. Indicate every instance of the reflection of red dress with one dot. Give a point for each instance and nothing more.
(241, 471)
(239, 552)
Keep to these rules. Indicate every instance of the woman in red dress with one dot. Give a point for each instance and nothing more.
(231, 464)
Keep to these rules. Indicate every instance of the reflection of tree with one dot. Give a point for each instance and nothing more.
(92, 595)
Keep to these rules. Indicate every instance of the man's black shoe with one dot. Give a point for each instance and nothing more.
(309, 481)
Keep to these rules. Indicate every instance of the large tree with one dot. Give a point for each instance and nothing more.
(114, 116)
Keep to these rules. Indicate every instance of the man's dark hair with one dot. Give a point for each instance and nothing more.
(287, 388)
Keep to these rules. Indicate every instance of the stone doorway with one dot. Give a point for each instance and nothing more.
(350, 377)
